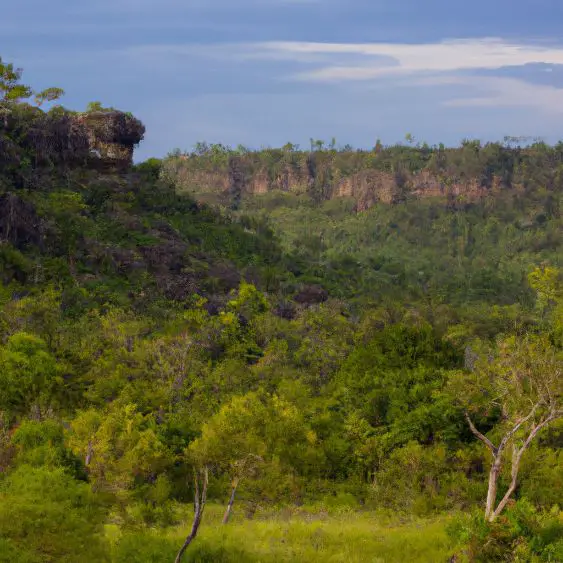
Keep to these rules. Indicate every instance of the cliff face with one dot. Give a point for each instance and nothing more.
(112, 136)
(368, 187)
(61, 138)
(242, 176)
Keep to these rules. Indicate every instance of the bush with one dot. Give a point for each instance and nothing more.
(521, 534)
(55, 517)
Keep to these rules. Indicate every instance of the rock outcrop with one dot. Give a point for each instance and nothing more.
(63, 138)
(112, 136)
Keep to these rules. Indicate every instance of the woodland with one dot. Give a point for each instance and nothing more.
(235, 355)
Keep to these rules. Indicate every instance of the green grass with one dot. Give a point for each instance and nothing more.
(307, 537)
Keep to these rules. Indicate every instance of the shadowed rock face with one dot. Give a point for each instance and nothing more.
(93, 139)
(19, 223)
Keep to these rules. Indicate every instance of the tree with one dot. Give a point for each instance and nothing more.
(120, 448)
(247, 433)
(522, 382)
(48, 95)
(316, 144)
(97, 106)
(12, 91)
(29, 374)
(232, 441)
(545, 282)
(201, 481)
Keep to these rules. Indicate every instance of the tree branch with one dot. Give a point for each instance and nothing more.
(481, 437)
(517, 426)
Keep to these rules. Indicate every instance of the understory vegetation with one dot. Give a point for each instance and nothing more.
(274, 376)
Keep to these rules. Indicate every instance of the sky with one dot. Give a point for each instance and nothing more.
(266, 72)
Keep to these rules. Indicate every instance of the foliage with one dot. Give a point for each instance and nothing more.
(50, 516)
(302, 347)
(523, 534)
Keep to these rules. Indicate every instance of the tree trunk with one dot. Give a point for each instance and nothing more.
(231, 502)
(199, 506)
(511, 489)
(493, 483)
(89, 454)
(516, 458)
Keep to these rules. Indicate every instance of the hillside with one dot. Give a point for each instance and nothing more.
(105, 232)
(442, 226)
(331, 376)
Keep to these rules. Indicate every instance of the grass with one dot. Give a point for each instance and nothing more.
(351, 537)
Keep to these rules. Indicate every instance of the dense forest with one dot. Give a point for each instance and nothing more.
(279, 355)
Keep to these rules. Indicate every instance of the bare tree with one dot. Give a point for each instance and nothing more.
(524, 382)
(201, 481)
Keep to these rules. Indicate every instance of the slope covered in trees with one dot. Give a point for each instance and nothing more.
(288, 356)
(433, 225)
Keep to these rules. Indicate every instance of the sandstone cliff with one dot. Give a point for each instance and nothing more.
(228, 178)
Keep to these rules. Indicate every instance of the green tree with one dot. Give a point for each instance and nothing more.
(29, 374)
(48, 95)
(120, 448)
(522, 380)
(545, 282)
(232, 441)
(12, 91)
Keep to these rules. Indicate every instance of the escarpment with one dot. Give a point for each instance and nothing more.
(368, 178)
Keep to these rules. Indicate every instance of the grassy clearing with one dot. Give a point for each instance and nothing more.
(306, 537)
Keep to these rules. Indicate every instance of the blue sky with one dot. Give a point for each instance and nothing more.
(264, 72)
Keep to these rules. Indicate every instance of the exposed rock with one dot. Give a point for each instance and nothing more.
(311, 294)
(259, 183)
(19, 223)
(425, 184)
(105, 138)
(59, 139)
(112, 135)
(246, 175)
(368, 187)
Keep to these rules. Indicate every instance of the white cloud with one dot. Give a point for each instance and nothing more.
(405, 65)
(426, 64)
(446, 56)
